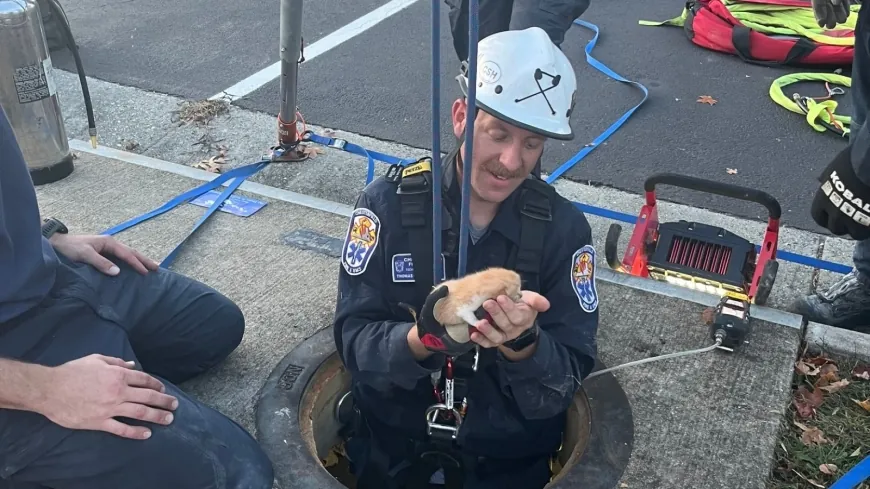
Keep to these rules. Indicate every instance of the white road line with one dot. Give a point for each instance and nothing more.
(321, 46)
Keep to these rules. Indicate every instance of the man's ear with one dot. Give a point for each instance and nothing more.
(459, 113)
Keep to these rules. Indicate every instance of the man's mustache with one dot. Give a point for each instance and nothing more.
(499, 170)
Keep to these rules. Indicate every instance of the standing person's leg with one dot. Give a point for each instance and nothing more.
(493, 16)
(846, 303)
(553, 16)
(200, 448)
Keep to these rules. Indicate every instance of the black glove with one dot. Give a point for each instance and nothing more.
(842, 203)
(829, 13)
(432, 334)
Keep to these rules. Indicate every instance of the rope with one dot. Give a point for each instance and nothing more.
(438, 273)
(819, 115)
(473, 9)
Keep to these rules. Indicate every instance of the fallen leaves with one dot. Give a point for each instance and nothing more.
(835, 386)
(731, 171)
(864, 404)
(199, 112)
(828, 469)
(311, 151)
(861, 372)
(806, 402)
(215, 164)
(811, 435)
(706, 99)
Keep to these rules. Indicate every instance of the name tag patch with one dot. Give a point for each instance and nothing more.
(403, 268)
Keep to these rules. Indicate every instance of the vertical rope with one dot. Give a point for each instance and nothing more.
(473, 7)
(438, 272)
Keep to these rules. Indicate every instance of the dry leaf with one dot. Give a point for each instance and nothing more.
(331, 459)
(731, 171)
(802, 426)
(829, 469)
(706, 99)
(623, 485)
(311, 151)
(819, 361)
(827, 379)
(856, 453)
(834, 387)
(804, 368)
(806, 402)
(814, 436)
(861, 372)
(864, 404)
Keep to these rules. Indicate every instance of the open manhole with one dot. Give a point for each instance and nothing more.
(297, 425)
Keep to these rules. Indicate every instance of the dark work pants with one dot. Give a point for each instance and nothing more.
(860, 92)
(553, 16)
(174, 328)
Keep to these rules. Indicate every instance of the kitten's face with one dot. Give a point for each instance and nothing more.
(504, 155)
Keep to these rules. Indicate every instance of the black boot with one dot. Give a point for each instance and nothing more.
(846, 304)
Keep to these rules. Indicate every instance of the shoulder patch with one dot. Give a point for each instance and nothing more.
(583, 278)
(363, 234)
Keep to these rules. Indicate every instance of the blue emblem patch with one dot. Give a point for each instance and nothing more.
(583, 278)
(361, 241)
(403, 268)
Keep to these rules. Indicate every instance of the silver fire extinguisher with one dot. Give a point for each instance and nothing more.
(28, 93)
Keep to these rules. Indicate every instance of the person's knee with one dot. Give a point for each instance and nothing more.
(230, 321)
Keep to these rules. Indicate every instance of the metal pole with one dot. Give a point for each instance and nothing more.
(438, 272)
(291, 49)
(465, 220)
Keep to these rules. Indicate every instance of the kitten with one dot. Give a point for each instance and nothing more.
(458, 311)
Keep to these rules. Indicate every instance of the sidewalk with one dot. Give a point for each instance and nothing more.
(708, 420)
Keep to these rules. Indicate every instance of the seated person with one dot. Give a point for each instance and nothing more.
(533, 354)
(91, 348)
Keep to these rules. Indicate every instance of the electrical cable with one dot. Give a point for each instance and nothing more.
(661, 357)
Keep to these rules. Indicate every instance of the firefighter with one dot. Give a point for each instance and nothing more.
(553, 16)
(846, 181)
(532, 354)
(82, 319)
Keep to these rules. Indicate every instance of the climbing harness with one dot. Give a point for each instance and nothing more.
(766, 32)
(819, 111)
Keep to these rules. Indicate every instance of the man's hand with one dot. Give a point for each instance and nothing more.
(87, 393)
(829, 13)
(510, 319)
(842, 203)
(91, 250)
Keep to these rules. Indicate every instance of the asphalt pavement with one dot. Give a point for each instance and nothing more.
(378, 82)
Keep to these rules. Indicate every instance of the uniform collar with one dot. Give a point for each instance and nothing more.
(506, 220)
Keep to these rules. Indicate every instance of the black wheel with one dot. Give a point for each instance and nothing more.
(297, 425)
(611, 246)
(765, 283)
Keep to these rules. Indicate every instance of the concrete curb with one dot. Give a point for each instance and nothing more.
(830, 340)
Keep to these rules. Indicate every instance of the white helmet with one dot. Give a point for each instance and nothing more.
(525, 80)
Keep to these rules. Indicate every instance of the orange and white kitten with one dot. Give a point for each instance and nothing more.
(467, 294)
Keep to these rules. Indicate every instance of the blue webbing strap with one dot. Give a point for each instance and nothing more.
(357, 150)
(613, 127)
(239, 174)
(854, 477)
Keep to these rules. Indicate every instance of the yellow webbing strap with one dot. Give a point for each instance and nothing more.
(818, 110)
(779, 20)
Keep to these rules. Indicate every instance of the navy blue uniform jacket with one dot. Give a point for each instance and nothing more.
(514, 409)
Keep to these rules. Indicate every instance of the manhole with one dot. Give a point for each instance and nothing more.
(297, 427)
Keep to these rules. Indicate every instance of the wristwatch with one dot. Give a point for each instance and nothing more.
(523, 341)
(51, 225)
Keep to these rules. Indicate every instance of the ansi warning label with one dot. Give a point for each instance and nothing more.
(34, 82)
